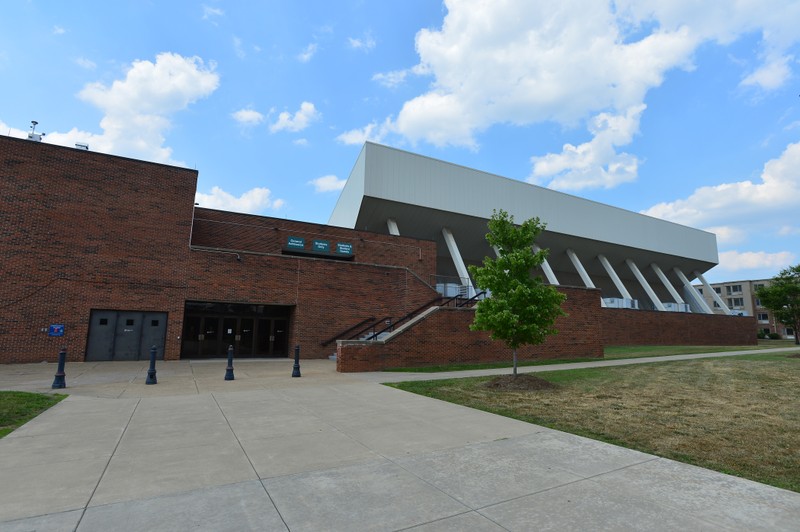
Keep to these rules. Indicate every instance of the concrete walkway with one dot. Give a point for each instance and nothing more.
(331, 452)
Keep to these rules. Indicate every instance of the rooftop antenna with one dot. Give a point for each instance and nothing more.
(37, 137)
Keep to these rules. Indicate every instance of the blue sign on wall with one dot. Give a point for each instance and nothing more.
(56, 329)
(295, 242)
(344, 248)
(322, 246)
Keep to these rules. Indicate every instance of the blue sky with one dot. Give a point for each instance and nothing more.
(683, 110)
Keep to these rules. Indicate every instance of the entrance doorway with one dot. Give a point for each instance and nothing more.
(253, 330)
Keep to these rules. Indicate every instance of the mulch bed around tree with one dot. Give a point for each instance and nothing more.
(796, 355)
(523, 382)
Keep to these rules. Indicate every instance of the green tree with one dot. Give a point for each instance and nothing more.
(521, 309)
(782, 297)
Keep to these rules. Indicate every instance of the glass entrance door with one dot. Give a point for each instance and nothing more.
(252, 330)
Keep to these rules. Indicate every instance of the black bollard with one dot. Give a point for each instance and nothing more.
(60, 380)
(151, 373)
(229, 369)
(296, 369)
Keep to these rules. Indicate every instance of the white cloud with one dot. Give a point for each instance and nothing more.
(297, 122)
(307, 53)
(327, 183)
(391, 79)
(364, 44)
(88, 64)
(571, 62)
(300, 142)
(211, 12)
(771, 75)
(237, 47)
(58, 30)
(752, 260)
(372, 132)
(136, 109)
(253, 201)
(727, 234)
(771, 198)
(593, 164)
(789, 230)
(248, 117)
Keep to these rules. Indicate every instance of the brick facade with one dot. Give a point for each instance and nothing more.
(84, 231)
(444, 337)
(648, 327)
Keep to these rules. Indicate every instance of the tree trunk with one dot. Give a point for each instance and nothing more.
(515, 360)
(797, 333)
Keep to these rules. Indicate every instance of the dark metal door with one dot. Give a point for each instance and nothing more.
(128, 336)
(102, 326)
(280, 336)
(154, 333)
(125, 335)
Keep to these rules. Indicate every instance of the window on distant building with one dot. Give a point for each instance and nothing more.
(758, 302)
(789, 331)
(733, 289)
(700, 290)
(716, 305)
(718, 289)
(758, 286)
(766, 330)
(735, 302)
(763, 317)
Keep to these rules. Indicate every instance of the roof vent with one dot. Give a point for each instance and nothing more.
(82, 146)
(33, 135)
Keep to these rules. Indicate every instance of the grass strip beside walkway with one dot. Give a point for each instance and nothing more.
(17, 408)
(734, 415)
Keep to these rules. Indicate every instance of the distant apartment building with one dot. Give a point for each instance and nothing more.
(739, 298)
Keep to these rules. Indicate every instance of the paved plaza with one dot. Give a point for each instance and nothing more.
(331, 451)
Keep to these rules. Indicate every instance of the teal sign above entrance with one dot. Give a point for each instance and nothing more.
(344, 248)
(321, 246)
(296, 242)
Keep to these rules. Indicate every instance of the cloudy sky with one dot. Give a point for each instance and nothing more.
(683, 110)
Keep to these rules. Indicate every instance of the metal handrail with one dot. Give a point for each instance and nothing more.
(472, 299)
(347, 331)
(372, 325)
(405, 318)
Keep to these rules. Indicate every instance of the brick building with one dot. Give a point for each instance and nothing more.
(108, 256)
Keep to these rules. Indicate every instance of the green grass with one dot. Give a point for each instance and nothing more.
(17, 408)
(609, 353)
(736, 415)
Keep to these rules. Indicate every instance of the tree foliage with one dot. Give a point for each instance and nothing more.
(782, 297)
(521, 309)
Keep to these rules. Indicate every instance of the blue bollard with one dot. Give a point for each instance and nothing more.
(229, 369)
(60, 380)
(296, 369)
(151, 373)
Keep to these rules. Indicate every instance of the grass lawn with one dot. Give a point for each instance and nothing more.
(17, 408)
(735, 415)
(610, 353)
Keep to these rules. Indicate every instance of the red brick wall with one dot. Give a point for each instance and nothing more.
(328, 296)
(646, 327)
(444, 338)
(82, 230)
(260, 234)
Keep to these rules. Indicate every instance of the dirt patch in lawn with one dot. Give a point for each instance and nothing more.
(520, 382)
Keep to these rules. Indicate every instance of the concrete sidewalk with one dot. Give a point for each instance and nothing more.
(331, 452)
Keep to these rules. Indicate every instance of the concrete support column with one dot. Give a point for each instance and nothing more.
(392, 225)
(614, 277)
(461, 268)
(668, 285)
(582, 272)
(647, 288)
(548, 271)
(701, 302)
(713, 292)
